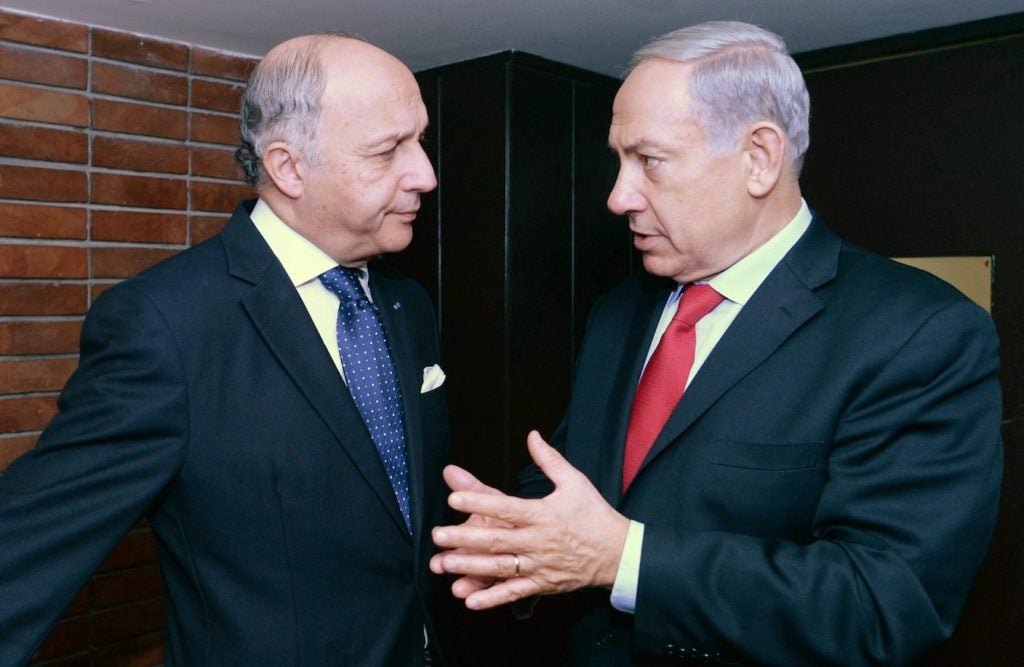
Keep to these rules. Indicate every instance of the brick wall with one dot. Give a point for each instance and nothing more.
(116, 151)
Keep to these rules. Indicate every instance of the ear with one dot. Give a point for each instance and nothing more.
(281, 163)
(764, 154)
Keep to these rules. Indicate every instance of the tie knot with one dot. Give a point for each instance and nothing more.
(344, 282)
(697, 301)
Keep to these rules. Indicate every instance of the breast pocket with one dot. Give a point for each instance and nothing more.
(778, 456)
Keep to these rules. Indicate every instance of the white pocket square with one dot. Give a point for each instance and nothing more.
(433, 377)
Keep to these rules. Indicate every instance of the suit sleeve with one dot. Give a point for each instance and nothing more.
(902, 526)
(113, 447)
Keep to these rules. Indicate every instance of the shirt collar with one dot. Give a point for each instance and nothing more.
(302, 260)
(739, 282)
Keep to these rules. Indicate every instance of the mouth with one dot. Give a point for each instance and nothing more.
(644, 242)
(408, 214)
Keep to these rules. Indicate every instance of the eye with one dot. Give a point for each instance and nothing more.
(649, 162)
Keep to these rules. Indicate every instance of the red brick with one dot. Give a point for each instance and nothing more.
(29, 375)
(222, 65)
(138, 49)
(208, 196)
(43, 299)
(136, 548)
(139, 227)
(35, 337)
(40, 143)
(128, 621)
(125, 262)
(139, 84)
(41, 221)
(100, 286)
(214, 163)
(41, 67)
(68, 637)
(41, 184)
(217, 96)
(213, 129)
(47, 106)
(48, 261)
(80, 604)
(26, 413)
(205, 227)
(124, 586)
(43, 32)
(139, 119)
(78, 660)
(13, 447)
(144, 651)
(118, 153)
(143, 191)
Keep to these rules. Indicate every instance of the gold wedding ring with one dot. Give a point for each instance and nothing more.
(515, 563)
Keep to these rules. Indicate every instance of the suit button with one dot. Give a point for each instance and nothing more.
(605, 640)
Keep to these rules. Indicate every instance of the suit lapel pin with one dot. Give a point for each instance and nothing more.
(396, 305)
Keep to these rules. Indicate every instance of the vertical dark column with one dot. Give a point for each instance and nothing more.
(539, 317)
(473, 153)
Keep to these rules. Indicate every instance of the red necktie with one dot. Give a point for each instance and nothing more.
(664, 379)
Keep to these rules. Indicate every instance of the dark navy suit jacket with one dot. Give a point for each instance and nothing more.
(205, 400)
(826, 490)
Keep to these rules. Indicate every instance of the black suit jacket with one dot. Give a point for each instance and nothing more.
(205, 400)
(827, 487)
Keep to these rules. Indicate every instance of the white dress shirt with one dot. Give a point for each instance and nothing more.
(737, 284)
(304, 262)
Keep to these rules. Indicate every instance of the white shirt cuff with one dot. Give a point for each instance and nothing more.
(627, 578)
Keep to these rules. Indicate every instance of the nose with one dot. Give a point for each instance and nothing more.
(420, 177)
(624, 198)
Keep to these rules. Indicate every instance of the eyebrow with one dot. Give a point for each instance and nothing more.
(395, 137)
(639, 146)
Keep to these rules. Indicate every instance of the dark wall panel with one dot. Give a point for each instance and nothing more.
(539, 256)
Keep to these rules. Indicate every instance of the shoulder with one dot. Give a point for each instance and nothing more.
(639, 291)
(195, 276)
(888, 285)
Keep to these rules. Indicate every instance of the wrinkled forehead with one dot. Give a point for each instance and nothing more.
(654, 99)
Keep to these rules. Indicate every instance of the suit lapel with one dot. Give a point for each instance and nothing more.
(282, 320)
(779, 307)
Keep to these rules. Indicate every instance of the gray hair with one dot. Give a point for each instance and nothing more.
(742, 74)
(282, 103)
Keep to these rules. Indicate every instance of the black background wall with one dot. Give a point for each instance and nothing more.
(916, 150)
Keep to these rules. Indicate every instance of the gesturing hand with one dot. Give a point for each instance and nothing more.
(568, 540)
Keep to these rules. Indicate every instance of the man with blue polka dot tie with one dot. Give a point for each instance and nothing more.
(270, 400)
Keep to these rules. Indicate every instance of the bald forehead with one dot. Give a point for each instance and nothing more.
(337, 53)
(659, 84)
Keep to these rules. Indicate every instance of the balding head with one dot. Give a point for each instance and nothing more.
(284, 96)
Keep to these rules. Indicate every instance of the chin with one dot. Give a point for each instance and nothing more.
(657, 267)
(396, 244)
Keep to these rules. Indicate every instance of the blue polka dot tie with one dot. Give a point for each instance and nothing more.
(371, 376)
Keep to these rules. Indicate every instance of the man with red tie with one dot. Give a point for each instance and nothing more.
(781, 449)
